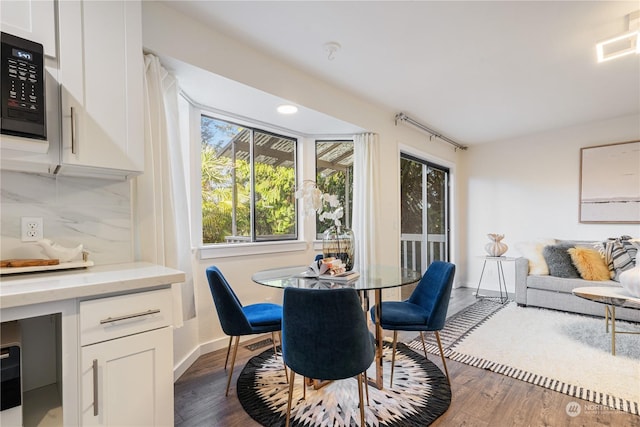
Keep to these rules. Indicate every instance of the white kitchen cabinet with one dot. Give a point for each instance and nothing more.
(101, 84)
(126, 381)
(127, 360)
(119, 315)
(32, 20)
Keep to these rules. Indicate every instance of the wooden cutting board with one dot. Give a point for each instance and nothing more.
(28, 262)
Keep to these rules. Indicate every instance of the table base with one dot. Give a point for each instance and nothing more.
(502, 283)
(610, 314)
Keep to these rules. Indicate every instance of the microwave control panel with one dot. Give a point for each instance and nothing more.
(23, 90)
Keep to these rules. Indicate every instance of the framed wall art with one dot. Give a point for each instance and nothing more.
(610, 183)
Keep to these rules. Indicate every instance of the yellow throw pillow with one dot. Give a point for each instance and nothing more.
(589, 263)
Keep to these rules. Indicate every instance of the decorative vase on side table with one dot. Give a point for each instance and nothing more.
(339, 242)
(496, 248)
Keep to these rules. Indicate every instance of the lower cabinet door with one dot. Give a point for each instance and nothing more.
(129, 381)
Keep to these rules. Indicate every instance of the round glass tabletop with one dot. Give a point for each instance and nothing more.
(373, 277)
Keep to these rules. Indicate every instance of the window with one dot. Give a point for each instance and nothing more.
(334, 175)
(248, 184)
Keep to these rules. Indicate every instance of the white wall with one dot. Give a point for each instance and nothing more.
(169, 33)
(528, 189)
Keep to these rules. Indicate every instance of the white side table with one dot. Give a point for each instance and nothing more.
(502, 284)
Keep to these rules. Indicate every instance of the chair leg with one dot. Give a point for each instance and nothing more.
(293, 376)
(424, 347)
(446, 371)
(366, 386)
(228, 351)
(233, 361)
(275, 354)
(393, 356)
(362, 421)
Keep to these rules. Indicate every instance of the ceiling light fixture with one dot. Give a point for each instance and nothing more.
(331, 48)
(623, 44)
(287, 109)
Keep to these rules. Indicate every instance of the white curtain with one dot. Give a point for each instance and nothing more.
(162, 213)
(365, 184)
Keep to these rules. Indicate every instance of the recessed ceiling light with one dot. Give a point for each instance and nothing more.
(287, 109)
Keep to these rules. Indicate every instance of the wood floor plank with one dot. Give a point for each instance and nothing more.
(480, 398)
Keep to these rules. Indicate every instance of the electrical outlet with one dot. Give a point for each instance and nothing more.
(32, 229)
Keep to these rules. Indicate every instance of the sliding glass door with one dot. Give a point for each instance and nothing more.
(424, 200)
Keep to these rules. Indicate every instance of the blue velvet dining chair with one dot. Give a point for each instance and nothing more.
(425, 310)
(238, 320)
(325, 337)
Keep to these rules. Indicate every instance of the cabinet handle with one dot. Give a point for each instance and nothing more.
(95, 387)
(129, 316)
(73, 133)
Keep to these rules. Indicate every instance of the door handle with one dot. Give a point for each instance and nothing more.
(73, 133)
(95, 387)
(129, 316)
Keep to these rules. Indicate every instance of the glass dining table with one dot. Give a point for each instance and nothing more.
(373, 278)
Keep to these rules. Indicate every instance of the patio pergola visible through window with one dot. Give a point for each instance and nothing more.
(249, 181)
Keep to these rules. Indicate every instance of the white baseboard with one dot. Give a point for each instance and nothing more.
(181, 367)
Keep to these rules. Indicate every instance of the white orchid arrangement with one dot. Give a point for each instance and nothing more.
(325, 204)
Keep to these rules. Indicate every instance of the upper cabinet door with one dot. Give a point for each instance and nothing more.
(101, 68)
(32, 20)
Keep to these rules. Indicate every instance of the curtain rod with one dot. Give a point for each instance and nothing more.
(404, 118)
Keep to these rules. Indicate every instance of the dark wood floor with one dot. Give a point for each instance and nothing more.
(480, 398)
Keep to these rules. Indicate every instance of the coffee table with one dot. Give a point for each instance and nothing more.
(611, 297)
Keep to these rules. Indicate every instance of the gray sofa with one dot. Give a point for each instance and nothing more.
(555, 293)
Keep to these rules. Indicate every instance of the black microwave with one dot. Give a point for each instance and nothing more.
(23, 91)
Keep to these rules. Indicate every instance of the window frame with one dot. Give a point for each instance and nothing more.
(253, 131)
(220, 250)
(305, 165)
(348, 205)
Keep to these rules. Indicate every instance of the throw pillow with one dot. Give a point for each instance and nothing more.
(589, 264)
(620, 254)
(559, 261)
(533, 252)
(630, 281)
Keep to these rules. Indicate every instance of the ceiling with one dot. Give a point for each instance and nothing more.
(238, 102)
(474, 71)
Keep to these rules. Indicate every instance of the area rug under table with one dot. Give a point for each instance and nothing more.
(564, 352)
(420, 394)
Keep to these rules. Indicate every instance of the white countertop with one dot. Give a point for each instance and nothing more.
(35, 288)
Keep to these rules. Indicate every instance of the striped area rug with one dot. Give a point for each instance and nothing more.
(563, 352)
(459, 326)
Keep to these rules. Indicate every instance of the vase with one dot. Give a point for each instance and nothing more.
(339, 242)
(496, 247)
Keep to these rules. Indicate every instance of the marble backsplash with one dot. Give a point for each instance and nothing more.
(94, 212)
